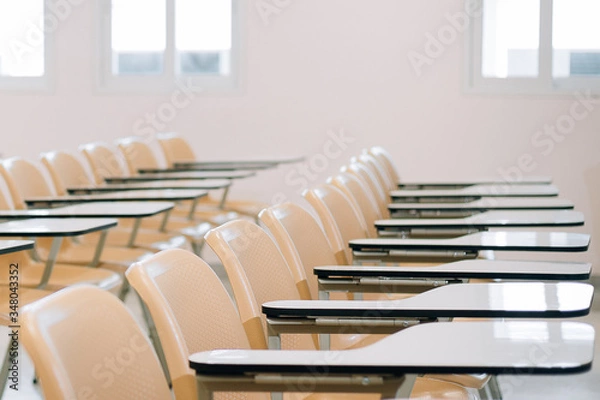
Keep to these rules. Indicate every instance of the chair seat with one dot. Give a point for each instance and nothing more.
(66, 275)
(247, 207)
(145, 239)
(215, 216)
(84, 254)
(192, 230)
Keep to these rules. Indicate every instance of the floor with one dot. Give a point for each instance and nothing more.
(580, 387)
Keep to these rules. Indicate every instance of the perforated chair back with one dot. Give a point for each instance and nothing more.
(105, 161)
(302, 243)
(191, 310)
(387, 160)
(66, 171)
(357, 190)
(341, 219)
(175, 148)
(258, 273)
(84, 343)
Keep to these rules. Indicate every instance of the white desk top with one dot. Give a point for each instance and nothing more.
(132, 195)
(467, 269)
(55, 227)
(12, 246)
(506, 241)
(490, 219)
(475, 347)
(490, 180)
(94, 210)
(257, 160)
(482, 191)
(175, 175)
(207, 184)
(477, 300)
(489, 203)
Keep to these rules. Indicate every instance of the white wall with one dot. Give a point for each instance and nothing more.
(322, 66)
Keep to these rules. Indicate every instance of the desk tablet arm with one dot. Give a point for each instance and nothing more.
(477, 347)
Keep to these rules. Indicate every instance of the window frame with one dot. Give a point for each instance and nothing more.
(544, 83)
(168, 80)
(40, 84)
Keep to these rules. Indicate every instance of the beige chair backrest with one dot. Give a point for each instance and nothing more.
(24, 179)
(341, 219)
(358, 191)
(302, 243)
(191, 310)
(105, 161)
(6, 201)
(175, 148)
(378, 170)
(387, 160)
(66, 171)
(139, 154)
(366, 175)
(258, 274)
(84, 343)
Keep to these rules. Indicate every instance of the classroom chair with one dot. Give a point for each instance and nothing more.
(183, 328)
(66, 171)
(84, 343)
(110, 162)
(176, 148)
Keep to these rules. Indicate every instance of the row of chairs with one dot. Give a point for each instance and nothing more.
(21, 179)
(191, 309)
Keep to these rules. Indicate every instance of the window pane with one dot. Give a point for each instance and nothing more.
(22, 38)
(576, 38)
(203, 36)
(511, 37)
(138, 36)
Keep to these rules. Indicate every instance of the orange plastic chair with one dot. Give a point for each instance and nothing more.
(258, 274)
(84, 343)
(191, 310)
(31, 272)
(29, 178)
(386, 159)
(176, 148)
(174, 284)
(107, 161)
(24, 179)
(363, 173)
(67, 171)
(302, 243)
(358, 191)
(340, 216)
(378, 170)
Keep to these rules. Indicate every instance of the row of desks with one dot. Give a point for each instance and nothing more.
(562, 299)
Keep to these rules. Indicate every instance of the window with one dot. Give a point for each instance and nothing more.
(158, 45)
(25, 27)
(535, 46)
